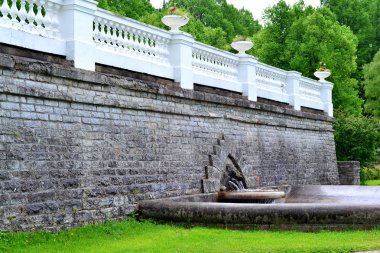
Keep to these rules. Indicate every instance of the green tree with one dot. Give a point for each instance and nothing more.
(130, 8)
(372, 86)
(363, 18)
(221, 16)
(320, 38)
(360, 16)
(213, 22)
(270, 41)
(299, 38)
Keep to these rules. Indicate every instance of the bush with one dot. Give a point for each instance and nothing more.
(369, 173)
(356, 138)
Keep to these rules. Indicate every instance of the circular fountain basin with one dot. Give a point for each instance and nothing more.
(248, 196)
(305, 208)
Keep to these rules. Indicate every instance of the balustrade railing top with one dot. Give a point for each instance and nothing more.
(88, 35)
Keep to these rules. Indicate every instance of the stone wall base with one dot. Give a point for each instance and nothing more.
(349, 172)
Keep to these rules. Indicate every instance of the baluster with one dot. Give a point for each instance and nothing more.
(31, 16)
(149, 45)
(223, 68)
(22, 13)
(148, 49)
(143, 43)
(197, 58)
(152, 49)
(107, 34)
(102, 33)
(228, 67)
(217, 66)
(114, 35)
(209, 65)
(122, 34)
(127, 39)
(134, 41)
(200, 60)
(39, 17)
(5, 9)
(110, 34)
(214, 66)
(48, 19)
(13, 13)
(208, 61)
(122, 39)
(159, 47)
(95, 32)
(139, 41)
(118, 37)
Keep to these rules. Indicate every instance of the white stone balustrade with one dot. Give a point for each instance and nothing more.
(88, 35)
(32, 16)
(271, 83)
(118, 38)
(214, 67)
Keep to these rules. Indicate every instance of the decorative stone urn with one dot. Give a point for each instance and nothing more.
(242, 46)
(322, 75)
(174, 22)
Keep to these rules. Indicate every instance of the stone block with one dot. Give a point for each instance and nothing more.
(349, 172)
(213, 173)
(210, 186)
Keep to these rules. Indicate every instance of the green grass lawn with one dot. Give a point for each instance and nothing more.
(131, 236)
(372, 182)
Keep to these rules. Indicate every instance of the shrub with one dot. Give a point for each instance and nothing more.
(369, 173)
(356, 138)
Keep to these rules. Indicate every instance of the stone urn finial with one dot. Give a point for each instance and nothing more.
(175, 20)
(322, 72)
(242, 44)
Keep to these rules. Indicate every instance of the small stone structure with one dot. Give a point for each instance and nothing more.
(79, 146)
(349, 173)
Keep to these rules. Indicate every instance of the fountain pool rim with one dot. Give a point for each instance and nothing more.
(329, 211)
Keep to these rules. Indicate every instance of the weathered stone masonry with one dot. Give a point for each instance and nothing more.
(78, 147)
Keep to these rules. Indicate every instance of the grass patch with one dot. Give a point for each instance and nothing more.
(372, 182)
(132, 236)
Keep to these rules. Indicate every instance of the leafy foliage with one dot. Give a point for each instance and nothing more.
(299, 38)
(130, 8)
(213, 22)
(361, 16)
(370, 173)
(220, 14)
(372, 86)
(270, 41)
(356, 138)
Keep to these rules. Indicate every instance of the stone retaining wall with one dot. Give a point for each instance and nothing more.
(349, 173)
(79, 147)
